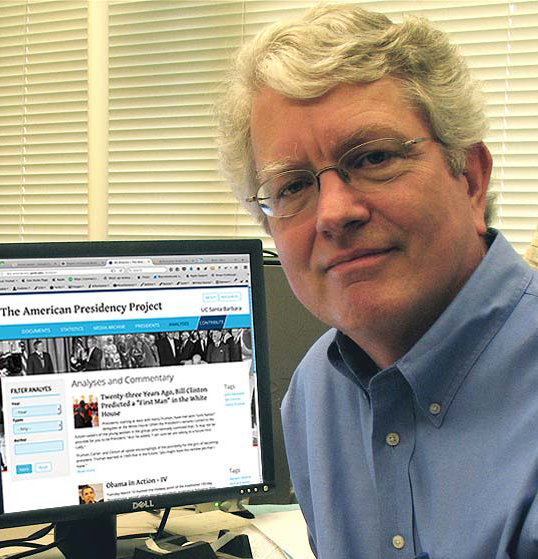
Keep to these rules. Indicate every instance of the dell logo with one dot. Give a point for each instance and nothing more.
(143, 504)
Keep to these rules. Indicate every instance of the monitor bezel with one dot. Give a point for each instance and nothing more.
(103, 249)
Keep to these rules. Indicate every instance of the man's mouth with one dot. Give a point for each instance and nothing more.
(356, 257)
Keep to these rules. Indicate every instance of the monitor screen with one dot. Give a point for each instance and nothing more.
(133, 375)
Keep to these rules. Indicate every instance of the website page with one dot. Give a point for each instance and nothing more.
(127, 392)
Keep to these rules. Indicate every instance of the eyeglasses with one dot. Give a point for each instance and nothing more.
(366, 167)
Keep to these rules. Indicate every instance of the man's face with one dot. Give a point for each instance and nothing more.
(184, 336)
(39, 347)
(380, 265)
(88, 495)
(217, 335)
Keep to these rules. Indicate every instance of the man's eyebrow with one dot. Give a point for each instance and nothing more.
(358, 136)
(366, 134)
(279, 166)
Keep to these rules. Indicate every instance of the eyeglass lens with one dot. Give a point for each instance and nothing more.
(366, 167)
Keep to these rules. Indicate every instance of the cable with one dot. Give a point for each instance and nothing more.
(43, 547)
(270, 253)
(38, 548)
(160, 529)
(155, 535)
(21, 543)
(35, 536)
(134, 536)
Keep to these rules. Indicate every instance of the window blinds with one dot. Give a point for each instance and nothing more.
(166, 59)
(43, 120)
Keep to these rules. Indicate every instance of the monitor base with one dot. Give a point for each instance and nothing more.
(197, 550)
(88, 538)
(238, 546)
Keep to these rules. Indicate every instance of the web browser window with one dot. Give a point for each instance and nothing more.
(125, 377)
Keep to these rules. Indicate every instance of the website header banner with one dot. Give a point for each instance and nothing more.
(122, 305)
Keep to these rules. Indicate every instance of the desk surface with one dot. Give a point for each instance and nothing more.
(272, 527)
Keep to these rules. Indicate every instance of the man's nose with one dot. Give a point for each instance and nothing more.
(340, 206)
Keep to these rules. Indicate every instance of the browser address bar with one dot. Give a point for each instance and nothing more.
(147, 270)
(66, 272)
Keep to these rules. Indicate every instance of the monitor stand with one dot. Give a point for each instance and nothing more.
(96, 538)
(88, 538)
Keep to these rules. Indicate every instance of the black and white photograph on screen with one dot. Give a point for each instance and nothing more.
(218, 351)
(3, 462)
(201, 342)
(77, 354)
(111, 354)
(167, 344)
(94, 354)
(46, 356)
(233, 339)
(13, 358)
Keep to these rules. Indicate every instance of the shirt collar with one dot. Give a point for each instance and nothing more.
(437, 364)
(351, 360)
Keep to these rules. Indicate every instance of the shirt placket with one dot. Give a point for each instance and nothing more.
(393, 442)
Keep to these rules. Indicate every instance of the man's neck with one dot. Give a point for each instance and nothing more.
(388, 350)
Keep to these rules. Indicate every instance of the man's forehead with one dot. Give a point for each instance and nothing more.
(350, 114)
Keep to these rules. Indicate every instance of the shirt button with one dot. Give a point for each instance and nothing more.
(392, 439)
(435, 408)
(398, 541)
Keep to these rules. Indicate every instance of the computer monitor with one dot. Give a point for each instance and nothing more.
(134, 375)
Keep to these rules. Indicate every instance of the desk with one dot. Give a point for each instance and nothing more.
(282, 523)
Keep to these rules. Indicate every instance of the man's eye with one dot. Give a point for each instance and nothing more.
(370, 159)
(294, 187)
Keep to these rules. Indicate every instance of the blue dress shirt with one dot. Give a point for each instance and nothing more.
(437, 454)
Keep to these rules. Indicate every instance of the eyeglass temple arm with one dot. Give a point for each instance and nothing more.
(417, 141)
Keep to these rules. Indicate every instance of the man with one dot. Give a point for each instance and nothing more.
(81, 416)
(87, 495)
(234, 344)
(123, 350)
(217, 351)
(168, 349)
(39, 362)
(409, 425)
(17, 360)
(201, 345)
(151, 354)
(94, 356)
(186, 347)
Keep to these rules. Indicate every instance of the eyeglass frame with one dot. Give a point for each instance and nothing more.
(340, 171)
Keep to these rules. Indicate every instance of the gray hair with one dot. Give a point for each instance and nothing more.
(342, 43)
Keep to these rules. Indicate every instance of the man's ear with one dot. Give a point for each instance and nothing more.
(477, 173)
